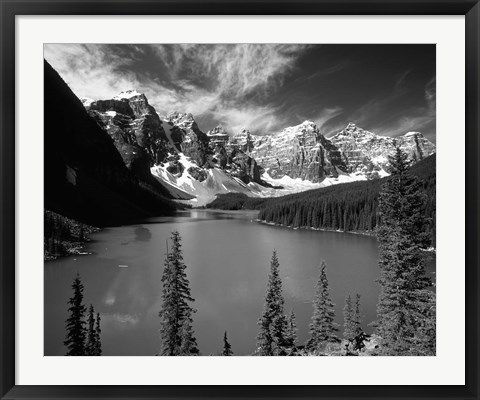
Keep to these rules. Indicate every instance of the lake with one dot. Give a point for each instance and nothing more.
(228, 259)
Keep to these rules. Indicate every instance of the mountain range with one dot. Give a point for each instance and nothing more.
(195, 166)
(115, 160)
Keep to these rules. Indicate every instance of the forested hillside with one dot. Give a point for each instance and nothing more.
(63, 236)
(237, 201)
(348, 207)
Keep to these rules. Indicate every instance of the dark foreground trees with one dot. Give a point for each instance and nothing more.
(176, 314)
(292, 331)
(348, 319)
(352, 319)
(227, 348)
(82, 340)
(272, 337)
(323, 329)
(406, 306)
(98, 343)
(93, 345)
(75, 324)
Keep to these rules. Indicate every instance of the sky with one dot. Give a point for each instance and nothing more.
(387, 89)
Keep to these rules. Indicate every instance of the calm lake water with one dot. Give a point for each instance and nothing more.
(228, 259)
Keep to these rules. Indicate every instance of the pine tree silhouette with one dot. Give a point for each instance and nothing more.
(176, 332)
(91, 343)
(227, 348)
(271, 339)
(406, 306)
(322, 327)
(75, 324)
(98, 342)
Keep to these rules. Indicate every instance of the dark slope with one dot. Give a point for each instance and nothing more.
(85, 176)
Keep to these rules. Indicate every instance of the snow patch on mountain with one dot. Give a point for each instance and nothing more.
(291, 185)
(86, 101)
(185, 186)
(127, 94)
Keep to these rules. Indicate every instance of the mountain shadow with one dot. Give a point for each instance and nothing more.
(85, 176)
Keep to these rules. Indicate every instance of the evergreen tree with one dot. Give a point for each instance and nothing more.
(405, 301)
(227, 348)
(322, 327)
(271, 339)
(348, 319)
(357, 316)
(98, 331)
(291, 336)
(75, 324)
(188, 342)
(176, 332)
(91, 344)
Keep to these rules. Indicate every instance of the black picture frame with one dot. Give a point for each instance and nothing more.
(11, 8)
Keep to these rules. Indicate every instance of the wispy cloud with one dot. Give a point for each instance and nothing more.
(263, 87)
(211, 80)
(385, 116)
(401, 79)
(415, 118)
(431, 95)
(326, 115)
(259, 119)
(120, 321)
(89, 70)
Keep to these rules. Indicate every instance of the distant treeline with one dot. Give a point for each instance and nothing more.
(237, 201)
(345, 207)
(63, 236)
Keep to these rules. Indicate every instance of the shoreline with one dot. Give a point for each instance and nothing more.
(430, 249)
(363, 233)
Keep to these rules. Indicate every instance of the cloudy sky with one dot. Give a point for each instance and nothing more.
(387, 89)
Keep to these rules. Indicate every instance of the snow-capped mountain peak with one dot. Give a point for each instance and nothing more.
(352, 131)
(304, 127)
(195, 166)
(366, 153)
(413, 134)
(183, 120)
(128, 94)
(86, 101)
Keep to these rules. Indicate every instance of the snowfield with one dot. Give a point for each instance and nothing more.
(186, 189)
(191, 191)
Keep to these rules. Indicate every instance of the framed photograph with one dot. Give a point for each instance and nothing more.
(248, 200)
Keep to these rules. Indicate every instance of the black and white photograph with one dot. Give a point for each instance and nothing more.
(239, 199)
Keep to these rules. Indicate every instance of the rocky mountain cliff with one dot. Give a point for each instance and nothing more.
(195, 166)
(135, 127)
(85, 176)
(191, 164)
(299, 152)
(365, 153)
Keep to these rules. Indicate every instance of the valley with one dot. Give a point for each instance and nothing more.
(147, 209)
